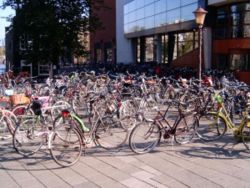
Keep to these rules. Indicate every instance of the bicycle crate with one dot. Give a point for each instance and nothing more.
(18, 99)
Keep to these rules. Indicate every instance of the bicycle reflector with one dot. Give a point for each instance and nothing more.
(65, 113)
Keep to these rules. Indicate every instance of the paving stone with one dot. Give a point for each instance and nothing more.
(6, 180)
(87, 185)
(169, 181)
(70, 176)
(133, 182)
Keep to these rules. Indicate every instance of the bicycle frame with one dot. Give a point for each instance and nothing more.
(223, 113)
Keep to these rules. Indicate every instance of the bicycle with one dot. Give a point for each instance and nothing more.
(146, 135)
(106, 130)
(34, 132)
(214, 125)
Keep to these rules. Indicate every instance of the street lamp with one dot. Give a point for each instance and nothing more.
(200, 15)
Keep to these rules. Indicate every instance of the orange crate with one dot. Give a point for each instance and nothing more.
(18, 99)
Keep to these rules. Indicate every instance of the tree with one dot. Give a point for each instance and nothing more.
(48, 27)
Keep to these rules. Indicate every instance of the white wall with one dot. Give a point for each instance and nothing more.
(124, 50)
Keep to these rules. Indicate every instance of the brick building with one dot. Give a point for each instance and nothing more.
(103, 41)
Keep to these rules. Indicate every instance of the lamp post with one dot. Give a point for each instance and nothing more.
(200, 15)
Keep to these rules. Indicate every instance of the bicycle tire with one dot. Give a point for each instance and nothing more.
(144, 137)
(27, 139)
(186, 129)
(110, 133)
(245, 133)
(21, 111)
(66, 145)
(211, 127)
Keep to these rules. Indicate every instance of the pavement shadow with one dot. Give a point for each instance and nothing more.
(225, 148)
(9, 159)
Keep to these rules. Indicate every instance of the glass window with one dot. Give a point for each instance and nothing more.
(126, 28)
(140, 14)
(148, 1)
(240, 7)
(240, 62)
(220, 33)
(187, 12)
(109, 55)
(164, 48)
(247, 31)
(98, 55)
(125, 9)
(125, 19)
(246, 17)
(139, 3)
(133, 27)
(235, 17)
(160, 6)
(131, 17)
(221, 20)
(185, 47)
(173, 16)
(222, 10)
(149, 49)
(138, 50)
(132, 6)
(149, 22)
(160, 19)
(237, 32)
(149, 10)
(187, 2)
(140, 25)
(173, 4)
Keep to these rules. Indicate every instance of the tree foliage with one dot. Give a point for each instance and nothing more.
(51, 26)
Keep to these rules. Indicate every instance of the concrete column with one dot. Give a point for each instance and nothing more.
(207, 47)
(142, 49)
(158, 49)
(124, 46)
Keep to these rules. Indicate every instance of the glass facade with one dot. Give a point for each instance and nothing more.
(146, 14)
(233, 21)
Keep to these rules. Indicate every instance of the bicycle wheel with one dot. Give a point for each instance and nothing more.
(6, 128)
(246, 135)
(22, 111)
(28, 137)
(110, 133)
(66, 145)
(186, 129)
(144, 137)
(211, 127)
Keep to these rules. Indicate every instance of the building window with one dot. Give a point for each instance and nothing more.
(164, 53)
(149, 51)
(22, 43)
(240, 62)
(109, 55)
(98, 55)
(232, 21)
(146, 14)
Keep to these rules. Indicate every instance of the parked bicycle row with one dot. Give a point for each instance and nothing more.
(68, 112)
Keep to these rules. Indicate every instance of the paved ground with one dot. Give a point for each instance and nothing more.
(218, 164)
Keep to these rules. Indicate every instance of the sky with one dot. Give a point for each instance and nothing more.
(3, 23)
